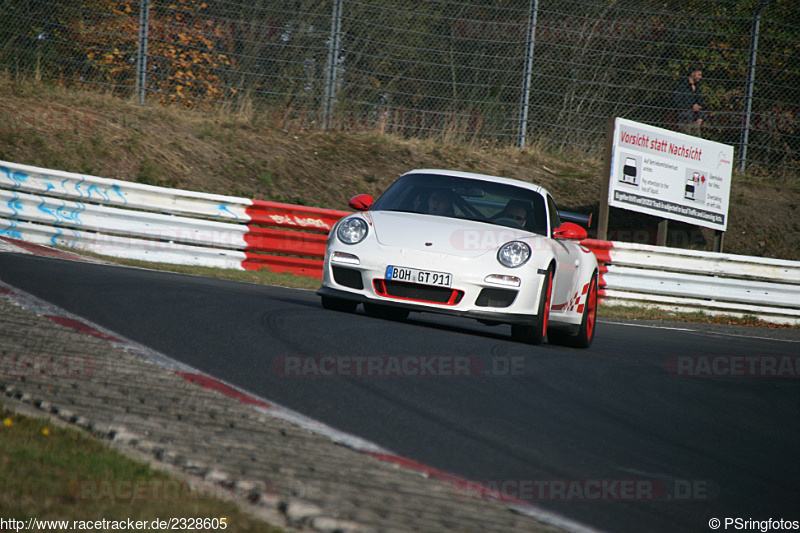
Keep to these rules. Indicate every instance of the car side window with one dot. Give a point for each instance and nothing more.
(555, 220)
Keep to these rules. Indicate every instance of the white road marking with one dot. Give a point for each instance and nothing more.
(7, 247)
(690, 330)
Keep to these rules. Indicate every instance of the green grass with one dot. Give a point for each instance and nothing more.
(263, 277)
(151, 174)
(53, 473)
(644, 313)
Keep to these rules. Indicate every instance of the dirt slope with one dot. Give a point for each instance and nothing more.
(269, 157)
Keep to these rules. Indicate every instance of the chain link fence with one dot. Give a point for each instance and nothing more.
(548, 72)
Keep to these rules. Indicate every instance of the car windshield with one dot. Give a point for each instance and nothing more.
(465, 198)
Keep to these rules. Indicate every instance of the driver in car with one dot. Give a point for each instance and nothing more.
(515, 211)
(439, 202)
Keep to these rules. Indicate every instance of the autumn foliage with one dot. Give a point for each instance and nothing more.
(185, 63)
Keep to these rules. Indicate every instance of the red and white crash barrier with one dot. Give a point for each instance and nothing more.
(137, 221)
(158, 224)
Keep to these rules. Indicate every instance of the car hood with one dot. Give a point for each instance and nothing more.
(465, 238)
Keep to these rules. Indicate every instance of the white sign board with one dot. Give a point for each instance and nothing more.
(670, 175)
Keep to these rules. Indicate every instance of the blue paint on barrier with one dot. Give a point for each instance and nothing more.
(54, 239)
(101, 192)
(78, 187)
(75, 213)
(15, 206)
(44, 209)
(60, 213)
(11, 231)
(117, 190)
(15, 176)
(224, 207)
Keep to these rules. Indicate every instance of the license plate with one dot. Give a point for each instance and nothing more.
(425, 277)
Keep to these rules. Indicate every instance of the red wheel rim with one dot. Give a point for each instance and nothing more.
(546, 312)
(591, 308)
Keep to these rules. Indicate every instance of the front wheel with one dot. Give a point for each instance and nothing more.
(536, 334)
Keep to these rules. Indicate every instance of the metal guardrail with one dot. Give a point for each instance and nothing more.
(692, 280)
(136, 221)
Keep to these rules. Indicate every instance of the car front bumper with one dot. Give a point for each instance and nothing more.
(471, 293)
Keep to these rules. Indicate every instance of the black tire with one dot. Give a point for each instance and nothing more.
(535, 334)
(560, 337)
(384, 311)
(338, 304)
(585, 335)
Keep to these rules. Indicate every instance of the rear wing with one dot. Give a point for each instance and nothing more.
(577, 218)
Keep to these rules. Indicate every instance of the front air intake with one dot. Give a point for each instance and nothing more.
(417, 292)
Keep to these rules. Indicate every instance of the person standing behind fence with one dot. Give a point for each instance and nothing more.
(687, 102)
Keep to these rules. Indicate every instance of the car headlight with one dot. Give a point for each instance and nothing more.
(513, 254)
(352, 230)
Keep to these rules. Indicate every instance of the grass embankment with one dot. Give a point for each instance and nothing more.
(55, 473)
(275, 155)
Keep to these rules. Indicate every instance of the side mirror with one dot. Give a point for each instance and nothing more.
(361, 202)
(569, 230)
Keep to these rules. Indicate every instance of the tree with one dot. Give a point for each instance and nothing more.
(184, 60)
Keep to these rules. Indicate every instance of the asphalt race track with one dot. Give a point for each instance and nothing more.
(614, 437)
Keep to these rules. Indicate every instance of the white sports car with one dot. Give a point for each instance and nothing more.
(490, 248)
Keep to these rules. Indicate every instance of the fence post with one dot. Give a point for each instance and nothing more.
(334, 47)
(751, 74)
(141, 58)
(528, 74)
